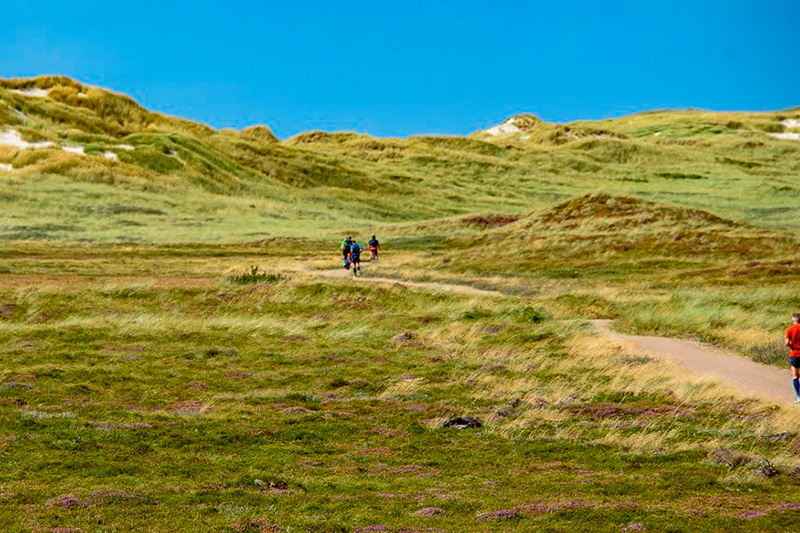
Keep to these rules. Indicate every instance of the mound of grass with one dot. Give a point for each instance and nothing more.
(254, 275)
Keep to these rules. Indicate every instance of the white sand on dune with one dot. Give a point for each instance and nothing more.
(124, 147)
(6, 167)
(13, 138)
(786, 136)
(32, 91)
(791, 123)
(508, 126)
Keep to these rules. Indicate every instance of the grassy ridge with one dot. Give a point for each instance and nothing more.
(255, 184)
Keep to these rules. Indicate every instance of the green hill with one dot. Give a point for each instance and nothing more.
(616, 237)
(93, 165)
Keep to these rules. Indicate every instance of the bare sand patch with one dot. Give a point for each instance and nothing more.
(74, 150)
(32, 91)
(786, 136)
(13, 138)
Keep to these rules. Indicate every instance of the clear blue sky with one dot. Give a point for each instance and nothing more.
(416, 66)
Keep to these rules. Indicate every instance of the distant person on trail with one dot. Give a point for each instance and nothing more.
(793, 342)
(345, 247)
(374, 248)
(355, 258)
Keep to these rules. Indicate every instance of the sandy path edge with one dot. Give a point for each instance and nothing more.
(431, 286)
(752, 378)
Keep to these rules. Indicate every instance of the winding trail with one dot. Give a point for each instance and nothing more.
(751, 378)
(431, 286)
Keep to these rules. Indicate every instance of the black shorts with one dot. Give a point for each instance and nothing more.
(794, 361)
(355, 259)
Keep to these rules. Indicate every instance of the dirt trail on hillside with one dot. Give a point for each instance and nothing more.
(431, 286)
(708, 361)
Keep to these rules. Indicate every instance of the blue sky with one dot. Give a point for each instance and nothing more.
(400, 68)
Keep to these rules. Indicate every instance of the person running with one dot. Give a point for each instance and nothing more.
(374, 248)
(793, 342)
(355, 258)
(345, 247)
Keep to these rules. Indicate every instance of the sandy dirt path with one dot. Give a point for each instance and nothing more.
(431, 286)
(751, 378)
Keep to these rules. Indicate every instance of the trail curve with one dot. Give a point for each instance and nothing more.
(748, 376)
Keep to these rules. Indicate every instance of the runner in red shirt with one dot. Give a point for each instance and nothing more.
(793, 342)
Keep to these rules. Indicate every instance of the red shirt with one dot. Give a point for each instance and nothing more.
(793, 334)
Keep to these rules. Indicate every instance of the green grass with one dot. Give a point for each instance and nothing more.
(144, 390)
(177, 351)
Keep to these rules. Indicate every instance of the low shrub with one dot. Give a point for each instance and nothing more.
(257, 276)
(534, 315)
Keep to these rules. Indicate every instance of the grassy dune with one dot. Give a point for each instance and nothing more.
(178, 355)
(145, 169)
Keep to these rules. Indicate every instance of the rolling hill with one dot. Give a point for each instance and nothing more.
(91, 165)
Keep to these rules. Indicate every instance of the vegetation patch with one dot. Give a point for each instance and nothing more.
(680, 176)
(254, 275)
(490, 221)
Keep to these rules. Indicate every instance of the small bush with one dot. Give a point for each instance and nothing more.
(256, 276)
(739, 162)
(770, 354)
(772, 128)
(476, 313)
(679, 176)
(338, 383)
(533, 315)
(123, 209)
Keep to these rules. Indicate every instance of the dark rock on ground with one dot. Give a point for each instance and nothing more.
(462, 422)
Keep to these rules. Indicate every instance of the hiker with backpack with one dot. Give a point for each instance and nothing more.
(374, 248)
(355, 258)
(792, 340)
(345, 247)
